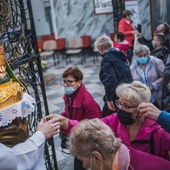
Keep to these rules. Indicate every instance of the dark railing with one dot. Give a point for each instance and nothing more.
(118, 7)
(18, 37)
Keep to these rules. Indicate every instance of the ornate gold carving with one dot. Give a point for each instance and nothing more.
(11, 91)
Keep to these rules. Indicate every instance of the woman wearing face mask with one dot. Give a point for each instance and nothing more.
(160, 50)
(148, 70)
(79, 103)
(134, 130)
(93, 142)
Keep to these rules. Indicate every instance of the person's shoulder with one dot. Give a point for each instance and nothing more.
(85, 93)
(122, 20)
(155, 59)
(154, 162)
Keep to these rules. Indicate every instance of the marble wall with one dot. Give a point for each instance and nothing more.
(145, 18)
(75, 18)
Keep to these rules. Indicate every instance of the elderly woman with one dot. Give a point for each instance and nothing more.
(79, 103)
(148, 70)
(133, 129)
(114, 70)
(94, 143)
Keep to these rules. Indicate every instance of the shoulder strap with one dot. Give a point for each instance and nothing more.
(154, 65)
(153, 62)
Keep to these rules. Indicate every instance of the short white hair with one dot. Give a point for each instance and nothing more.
(140, 48)
(104, 42)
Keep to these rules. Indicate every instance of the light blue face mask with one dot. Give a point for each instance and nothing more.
(69, 90)
(143, 60)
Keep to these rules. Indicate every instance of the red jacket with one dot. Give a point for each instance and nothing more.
(84, 106)
(127, 29)
(122, 46)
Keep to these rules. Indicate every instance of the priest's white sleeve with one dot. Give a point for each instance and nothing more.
(30, 154)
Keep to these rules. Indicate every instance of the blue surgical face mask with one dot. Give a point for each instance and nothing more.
(143, 60)
(69, 90)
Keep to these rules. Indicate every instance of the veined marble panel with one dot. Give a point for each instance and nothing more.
(145, 18)
(77, 18)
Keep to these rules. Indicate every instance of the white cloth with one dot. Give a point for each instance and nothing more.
(21, 109)
(28, 155)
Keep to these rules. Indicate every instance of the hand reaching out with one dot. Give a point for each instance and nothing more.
(58, 118)
(48, 128)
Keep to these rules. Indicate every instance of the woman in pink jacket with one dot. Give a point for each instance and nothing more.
(94, 143)
(79, 103)
(143, 134)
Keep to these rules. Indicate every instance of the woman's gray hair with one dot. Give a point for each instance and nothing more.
(135, 93)
(104, 42)
(93, 135)
(140, 48)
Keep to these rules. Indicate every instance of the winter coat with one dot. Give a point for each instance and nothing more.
(84, 106)
(114, 71)
(155, 76)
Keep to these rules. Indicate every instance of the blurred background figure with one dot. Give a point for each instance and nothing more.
(149, 71)
(125, 26)
(120, 43)
(160, 50)
(162, 28)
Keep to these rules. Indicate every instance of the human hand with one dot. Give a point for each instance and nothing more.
(148, 110)
(49, 128)
(111, 106)
(64, 124)
(135, 32)
(139, 35)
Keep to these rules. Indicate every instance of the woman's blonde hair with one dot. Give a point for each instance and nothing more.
(104, 42)
(136, 92)
(93, 135)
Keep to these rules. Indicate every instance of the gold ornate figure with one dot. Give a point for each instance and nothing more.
(11, 91)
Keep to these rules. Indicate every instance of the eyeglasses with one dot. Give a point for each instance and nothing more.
(123, 106)
(68, 82)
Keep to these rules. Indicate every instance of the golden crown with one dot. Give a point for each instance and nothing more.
(2, 57)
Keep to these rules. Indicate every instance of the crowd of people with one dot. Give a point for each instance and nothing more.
(134, 124)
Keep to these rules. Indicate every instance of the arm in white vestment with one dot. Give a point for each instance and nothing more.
(31, 152)
(29, 155)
